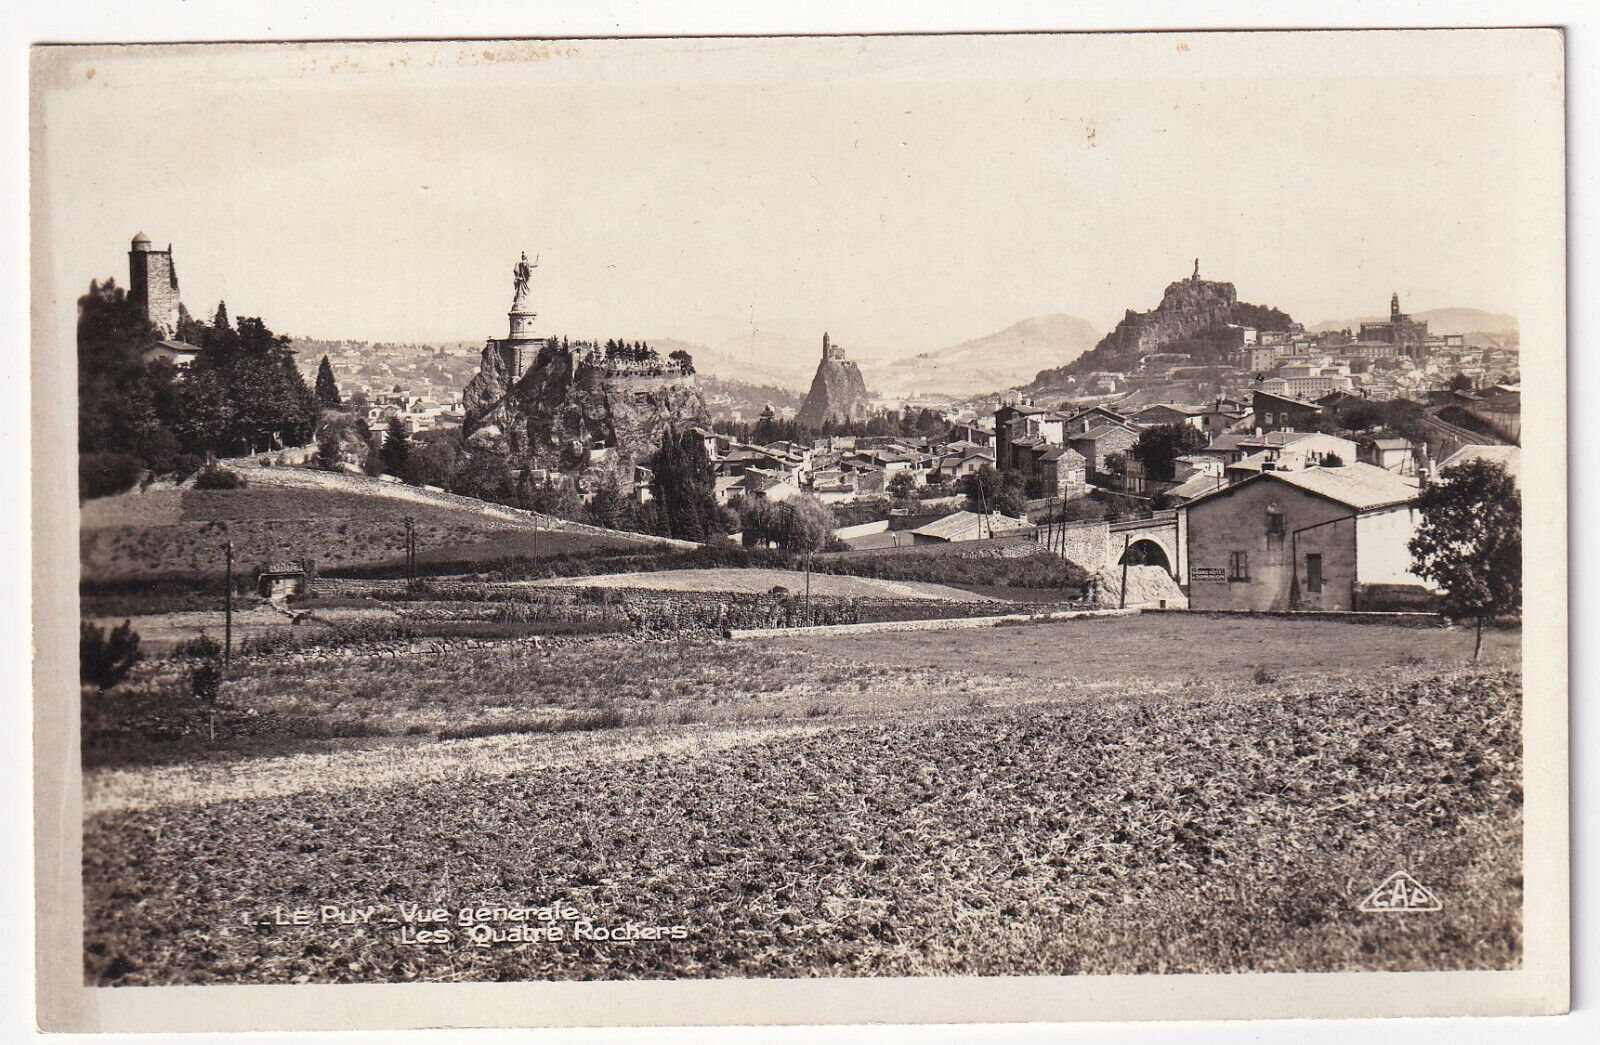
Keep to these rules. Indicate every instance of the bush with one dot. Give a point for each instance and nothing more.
(205, 680)
(185, 465)
(201, 647)
(216, 477)
(101, 475)
(105, 660)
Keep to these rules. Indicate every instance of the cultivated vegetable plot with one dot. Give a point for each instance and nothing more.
(1186, 831)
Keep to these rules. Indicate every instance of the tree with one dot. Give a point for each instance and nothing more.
(396, 447)
(611, 506)
(433, 462)
(105, 660)
(766, 426)
(990, 491)
(1469, 542)
(327, 388)
(1461, 383)
(486, 477)
(903, 486)
(797, 524)
(102, 474)
(1160, 446)
(123, 404)
(557, 496)
(686, 487)
(684, 360)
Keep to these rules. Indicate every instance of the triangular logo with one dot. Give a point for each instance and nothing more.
(1400, 892)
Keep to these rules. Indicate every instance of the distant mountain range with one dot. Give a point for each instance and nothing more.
(1439, 320)
(981, 364)
(1007, 357)
(791, 373)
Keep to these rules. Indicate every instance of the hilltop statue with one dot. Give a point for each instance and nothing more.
(1195, 276)
(521, 275)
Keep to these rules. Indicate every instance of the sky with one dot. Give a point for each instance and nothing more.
(903, 193)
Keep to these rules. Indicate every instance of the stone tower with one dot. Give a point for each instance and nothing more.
(1394, 306)
(830, 351)
(153, 284)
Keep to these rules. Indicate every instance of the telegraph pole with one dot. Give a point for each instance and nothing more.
(1122, 603)
(411, 551)
(227, 612)
(808, 588)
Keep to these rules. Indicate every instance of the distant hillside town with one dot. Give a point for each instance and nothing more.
(1169, 412)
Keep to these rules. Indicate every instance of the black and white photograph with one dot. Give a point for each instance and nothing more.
(802, 512)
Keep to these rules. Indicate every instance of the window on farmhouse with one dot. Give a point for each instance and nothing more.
(1239, 567)
(1274, 521)
(1313, 573)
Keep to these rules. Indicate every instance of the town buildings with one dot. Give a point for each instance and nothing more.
(1408, 336)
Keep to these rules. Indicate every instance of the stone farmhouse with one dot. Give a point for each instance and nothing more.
(1313, 539)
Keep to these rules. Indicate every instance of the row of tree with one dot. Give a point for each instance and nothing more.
(770, 428)
(241, 393)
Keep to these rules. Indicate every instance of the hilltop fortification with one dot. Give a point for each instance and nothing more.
(837, 391)
(1191, 308)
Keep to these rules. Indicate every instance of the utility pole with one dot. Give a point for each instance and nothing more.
(411, 551)
(227, 612)
(808, 588)
(1122, 602)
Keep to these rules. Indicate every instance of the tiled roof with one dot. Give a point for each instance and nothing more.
(1101, 431)
(1359, 486)
(1507, 457)
(1196, 485)
(971, 526)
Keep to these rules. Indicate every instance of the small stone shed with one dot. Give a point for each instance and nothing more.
(281, 580)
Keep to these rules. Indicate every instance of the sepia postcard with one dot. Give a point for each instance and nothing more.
(764, 530)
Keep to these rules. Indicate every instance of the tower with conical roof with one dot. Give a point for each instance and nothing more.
(153, 284)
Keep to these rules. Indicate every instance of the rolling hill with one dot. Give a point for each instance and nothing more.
(794, 375)
(333, 519)
(1439, 320)
(1007, 357)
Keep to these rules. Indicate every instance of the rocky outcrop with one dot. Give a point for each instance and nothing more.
(569, 407)
(1189, 308)
(837, 390)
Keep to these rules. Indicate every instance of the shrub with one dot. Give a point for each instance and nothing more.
(185, 465)
(1263, 675)
(105, 660)
(205, 680)
(101, 475)
(201, 647)
(216, 477)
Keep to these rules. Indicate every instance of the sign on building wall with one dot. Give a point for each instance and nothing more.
(1207, 573)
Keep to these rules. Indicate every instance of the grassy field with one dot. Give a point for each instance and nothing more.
(1159, 793)
(330, 519)
(761, 580)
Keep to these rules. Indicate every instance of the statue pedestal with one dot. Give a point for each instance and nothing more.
(522, 325)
